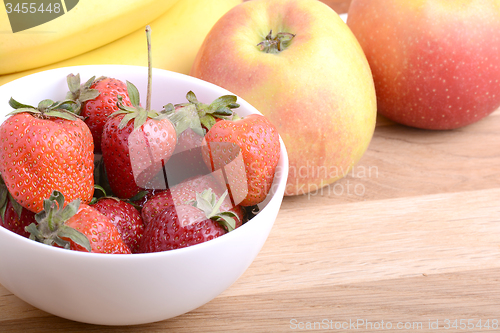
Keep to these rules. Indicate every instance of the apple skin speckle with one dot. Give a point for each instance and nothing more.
(436, 64)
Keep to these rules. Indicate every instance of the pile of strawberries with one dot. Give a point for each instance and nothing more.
(99, 172)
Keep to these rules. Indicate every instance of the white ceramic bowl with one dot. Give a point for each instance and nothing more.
(130, 289)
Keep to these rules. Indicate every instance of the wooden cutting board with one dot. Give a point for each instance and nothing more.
(410, 237)
(409, 240)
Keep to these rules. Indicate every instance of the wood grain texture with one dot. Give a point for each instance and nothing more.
(418, 243)
(409, 236)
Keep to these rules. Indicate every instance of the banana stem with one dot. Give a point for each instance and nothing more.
(150, 69)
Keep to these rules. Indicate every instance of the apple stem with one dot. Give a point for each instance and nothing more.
(277, 44)
(150, 69)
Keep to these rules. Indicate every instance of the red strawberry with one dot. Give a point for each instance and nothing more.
(99, 100)
(102, 234)
(247, 152)
(191, 120)
(133, 153)
(125, 217)
(136, 142)
(185, 192)
(186, 225)
(12, 215)
(155, 205)
(45, 149)
(77, 227)
(15, 222)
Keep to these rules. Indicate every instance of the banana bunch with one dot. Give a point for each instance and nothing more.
(176, 36)
(89, 25)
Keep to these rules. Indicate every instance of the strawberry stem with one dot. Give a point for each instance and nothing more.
(150, 68)
(208, 203)
(50, 227)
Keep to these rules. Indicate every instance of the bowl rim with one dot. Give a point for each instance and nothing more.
(278, 185)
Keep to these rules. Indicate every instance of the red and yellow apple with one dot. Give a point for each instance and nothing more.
(435, 63)
(299, 64)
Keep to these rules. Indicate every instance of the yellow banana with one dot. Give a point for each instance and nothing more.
(89, 25)
(176, 37)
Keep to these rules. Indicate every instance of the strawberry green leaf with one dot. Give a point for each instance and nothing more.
(71, 108)
(58, 197)
(186, 117)
(125, 120)
(17, 207)
(100, 178)
(34, 232)
(219, 108)
(216, 207)
(140, 119)
(65, 109)
(205, 202)
(16, 105)
(155, 115)
(191, 97)
(79, 93)
(139, 196)
(67, 104)
(123, 108)
(223, 101)
(133, 94)
(75, 235)
(89, 94)
(207, 121)
(52, 202)
(128, 109)
(3, 209)
(169, 108)
(223, 111)
(60, 114)
(69, 210)
(3, 199)
(99, 188)
(73, 82)
(45, 104)
(50, 218)
(136, 112)
(21, 110)
(119, 112)
(89, 82)
(208, 203)
(64, 104)
(60, 242)
(166, 112)
(226, 219)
